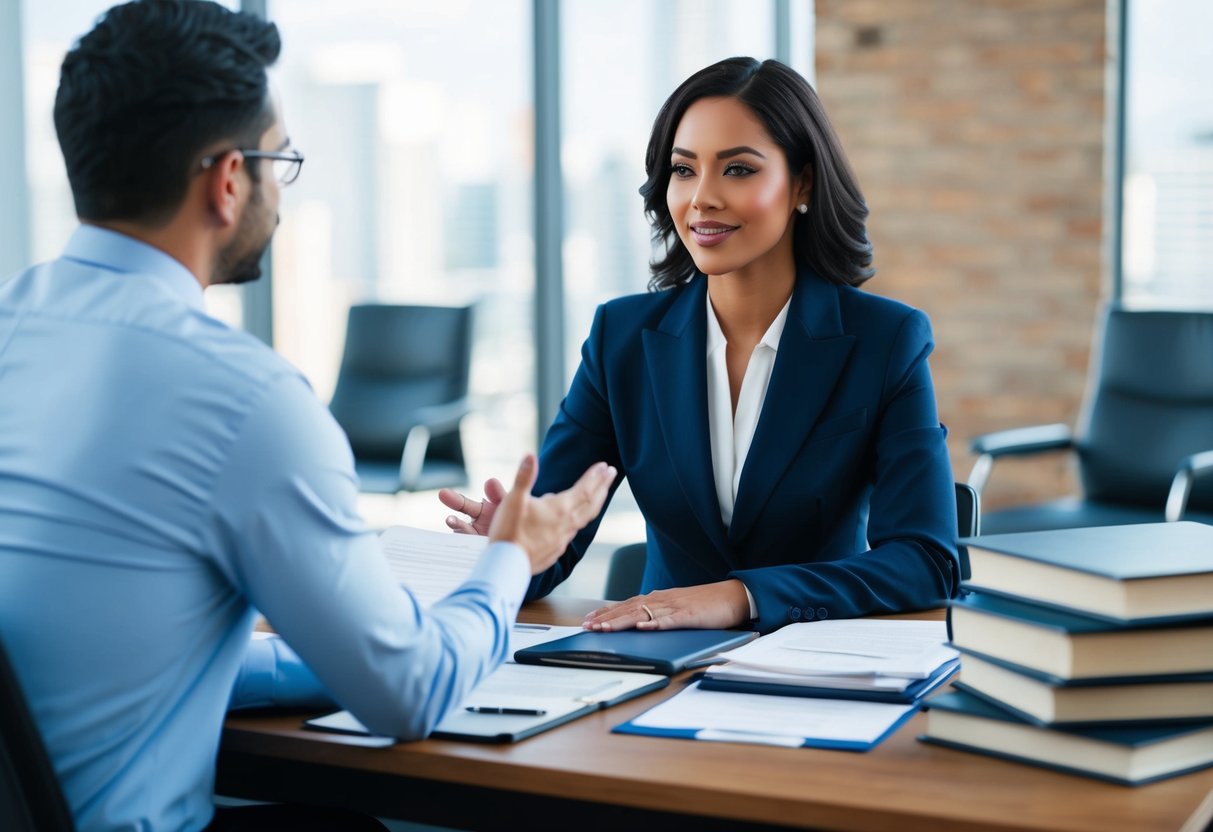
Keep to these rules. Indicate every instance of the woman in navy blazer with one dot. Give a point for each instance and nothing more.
(842, 504)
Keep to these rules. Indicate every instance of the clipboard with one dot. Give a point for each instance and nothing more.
(555, 695)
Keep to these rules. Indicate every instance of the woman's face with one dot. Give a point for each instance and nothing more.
(730, 194)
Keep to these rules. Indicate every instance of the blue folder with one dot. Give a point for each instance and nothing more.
(646, 651)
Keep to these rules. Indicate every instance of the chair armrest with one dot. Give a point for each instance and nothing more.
(1190, 469)
(1015, 442)
(434, 420)
(441, 418)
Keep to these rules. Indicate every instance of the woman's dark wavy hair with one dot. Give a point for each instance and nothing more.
(143, 94)
(831, 239)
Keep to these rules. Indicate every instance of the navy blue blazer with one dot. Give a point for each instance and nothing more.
(845, 505)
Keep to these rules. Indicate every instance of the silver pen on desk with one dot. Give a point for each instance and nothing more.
(532, 628)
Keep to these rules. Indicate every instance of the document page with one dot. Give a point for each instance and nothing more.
(523, 636)
(517, 697)
(777, 720)
(431, 564)
(745, 673)
(909, 649)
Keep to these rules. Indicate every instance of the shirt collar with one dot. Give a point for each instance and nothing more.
(770, 340)
(120, 253)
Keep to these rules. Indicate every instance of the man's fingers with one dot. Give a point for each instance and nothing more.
(494, 491)
(451, 498)
(460, 526)
(584, 500)
(524, 477)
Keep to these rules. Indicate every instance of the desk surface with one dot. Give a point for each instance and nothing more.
(582, 774)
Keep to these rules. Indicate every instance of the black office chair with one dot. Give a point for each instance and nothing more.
(30, 797)
(626, 569)
(402, 394)
(1145, 440)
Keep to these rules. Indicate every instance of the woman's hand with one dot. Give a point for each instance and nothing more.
(479, 512)
(715, 606)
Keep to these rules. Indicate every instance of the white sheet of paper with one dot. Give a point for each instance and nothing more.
(431, 564)
(524, 635)
(744, 673)
(554, 690)
(855, 647)
(775, 717)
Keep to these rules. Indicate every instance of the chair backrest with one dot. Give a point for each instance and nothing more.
(626, 569)
(968, 510)
(30, 797)
(397, 359)
(1149, 405)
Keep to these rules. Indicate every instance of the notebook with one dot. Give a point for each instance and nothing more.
(646, 651)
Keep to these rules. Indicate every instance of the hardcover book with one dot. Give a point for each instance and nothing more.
(1127, 755)
(1138, 574)
(1069, 645)
(1050, 701)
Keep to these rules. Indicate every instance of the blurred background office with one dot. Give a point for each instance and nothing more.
(1019, 172)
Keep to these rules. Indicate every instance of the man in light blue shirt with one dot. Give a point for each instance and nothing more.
(162, 476)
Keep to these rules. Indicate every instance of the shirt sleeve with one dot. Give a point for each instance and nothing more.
(292, 541)
(273, 674)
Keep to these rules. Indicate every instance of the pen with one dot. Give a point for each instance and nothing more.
(488, 709)
(539, 628)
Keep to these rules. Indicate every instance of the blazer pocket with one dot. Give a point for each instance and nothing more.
(839, 425)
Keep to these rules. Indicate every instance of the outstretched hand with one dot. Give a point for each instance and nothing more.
(479, 512)
(544, 526)
(715, 606)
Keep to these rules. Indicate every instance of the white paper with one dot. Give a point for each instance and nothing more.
(743, 673)
(524, 636)
(555, 691)
(431, 564)
(775, 717)
(855, 647)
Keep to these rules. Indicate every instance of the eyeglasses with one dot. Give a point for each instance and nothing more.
(287, 163)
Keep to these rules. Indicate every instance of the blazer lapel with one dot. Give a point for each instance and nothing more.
(812, 354)
(676, 354)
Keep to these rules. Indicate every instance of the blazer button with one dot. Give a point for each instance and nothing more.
(808, 613)
(823, 613)
(794, 613)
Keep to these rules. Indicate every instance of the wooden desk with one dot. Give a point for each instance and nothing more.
(582, 777)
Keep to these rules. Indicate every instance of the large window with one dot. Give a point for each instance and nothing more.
(1168, 187)
(49, 31)
(620, 61)
(416, 121)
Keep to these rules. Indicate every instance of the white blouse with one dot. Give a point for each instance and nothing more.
(730, 434)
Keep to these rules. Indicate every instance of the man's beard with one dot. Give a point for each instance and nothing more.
(240, 260)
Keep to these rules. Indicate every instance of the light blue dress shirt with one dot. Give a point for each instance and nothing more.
(161, 476)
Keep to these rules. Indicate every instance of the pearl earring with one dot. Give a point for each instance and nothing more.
(803, 208)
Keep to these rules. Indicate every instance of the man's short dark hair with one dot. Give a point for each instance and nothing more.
(143, 94)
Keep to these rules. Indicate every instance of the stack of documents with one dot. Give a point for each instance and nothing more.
(830, 667)
(879, 661)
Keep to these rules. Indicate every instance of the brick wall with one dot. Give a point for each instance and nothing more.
(976, 128)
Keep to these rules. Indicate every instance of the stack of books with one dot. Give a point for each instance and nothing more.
(1088, 650)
